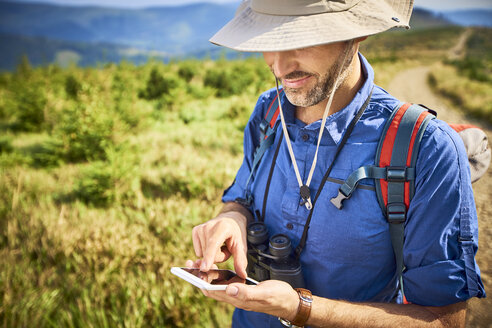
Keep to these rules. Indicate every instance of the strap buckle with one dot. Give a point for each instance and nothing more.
(396, 174)
(264, 127)
(396, 213)
(246, 202)
(338, 200)
(464, 239)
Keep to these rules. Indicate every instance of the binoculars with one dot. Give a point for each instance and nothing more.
(272, 258)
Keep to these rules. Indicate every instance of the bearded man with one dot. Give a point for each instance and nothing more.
(332, 117)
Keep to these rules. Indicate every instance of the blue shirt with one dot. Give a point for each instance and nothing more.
(348, 253)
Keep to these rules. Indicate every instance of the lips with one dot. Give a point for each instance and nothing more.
(296, 83)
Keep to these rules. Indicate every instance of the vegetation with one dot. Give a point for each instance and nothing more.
(103, 173)
(467, 82)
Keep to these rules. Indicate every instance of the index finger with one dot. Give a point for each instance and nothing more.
(211, 249)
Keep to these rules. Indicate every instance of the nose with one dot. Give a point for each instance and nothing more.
(281, 62)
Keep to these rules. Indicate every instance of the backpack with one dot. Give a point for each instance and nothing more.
(394, 167)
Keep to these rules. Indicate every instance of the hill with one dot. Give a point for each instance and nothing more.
(482, 17)
(175, 30)
(42, 51)
(91, 35)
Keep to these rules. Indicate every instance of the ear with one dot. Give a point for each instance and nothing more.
(361, 39)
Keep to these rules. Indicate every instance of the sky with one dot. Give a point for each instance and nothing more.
(438, 5)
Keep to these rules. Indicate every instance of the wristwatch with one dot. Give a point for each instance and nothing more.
(303, 311)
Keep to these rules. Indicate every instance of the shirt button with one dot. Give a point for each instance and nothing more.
(305, 137)
(290, 226)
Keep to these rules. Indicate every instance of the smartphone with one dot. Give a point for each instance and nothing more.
(215, 279)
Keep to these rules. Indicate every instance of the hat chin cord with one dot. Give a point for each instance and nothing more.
(304, 188)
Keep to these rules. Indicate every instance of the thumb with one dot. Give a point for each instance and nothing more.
(241, 291)
(232, 290)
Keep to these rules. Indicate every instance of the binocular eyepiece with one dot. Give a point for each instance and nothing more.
(272, 258)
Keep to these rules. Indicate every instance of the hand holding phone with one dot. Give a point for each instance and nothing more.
(215, 279)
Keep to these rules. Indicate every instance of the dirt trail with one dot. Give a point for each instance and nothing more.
(411, 86)
(458, 51)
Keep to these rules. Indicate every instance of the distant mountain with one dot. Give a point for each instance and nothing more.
(42, 51)
(172, 30)
(422, 18)
(90, 35)
(482, 17)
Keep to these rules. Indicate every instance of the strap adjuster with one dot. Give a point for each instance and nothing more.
(264, 126)
(462, 239)
(396, 174)
(246, 201)
(396, 213)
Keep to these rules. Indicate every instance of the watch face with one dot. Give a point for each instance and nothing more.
(306, 298)
(305, 295)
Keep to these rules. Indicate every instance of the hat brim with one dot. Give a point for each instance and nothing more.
(251, 31)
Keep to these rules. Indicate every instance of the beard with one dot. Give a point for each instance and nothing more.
(325, 83)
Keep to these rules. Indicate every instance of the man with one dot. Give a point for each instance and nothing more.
(347, 262)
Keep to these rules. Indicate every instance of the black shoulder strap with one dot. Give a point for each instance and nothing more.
(396, 158)
(268, 128)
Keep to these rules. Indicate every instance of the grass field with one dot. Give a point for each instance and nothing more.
(103, 173)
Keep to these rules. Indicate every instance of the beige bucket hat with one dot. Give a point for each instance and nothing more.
(278, 25)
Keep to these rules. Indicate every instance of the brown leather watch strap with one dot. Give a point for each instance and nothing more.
(304, 310)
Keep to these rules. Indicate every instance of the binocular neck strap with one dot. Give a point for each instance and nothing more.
(304, 187)
(351, 126)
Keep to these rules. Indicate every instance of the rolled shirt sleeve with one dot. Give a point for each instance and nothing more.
(441, 233)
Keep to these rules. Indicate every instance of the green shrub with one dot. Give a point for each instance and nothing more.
(6, 144)
(198, 91)
(29, 104)
(47, 154)
(187, 70)
(85, 131)
(218, 79)
(159, 85)
(116, 180)
(95, 185)
(473, 68)
(124, 101)
(72, 87)
(229, 81)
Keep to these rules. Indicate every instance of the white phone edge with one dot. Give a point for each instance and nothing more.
(199, 282)
(195, 281)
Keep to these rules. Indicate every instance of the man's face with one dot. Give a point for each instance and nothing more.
(308, 75)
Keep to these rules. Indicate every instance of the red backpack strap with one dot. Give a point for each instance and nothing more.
(267, 131)
(397, 153)
(268, 123)
(398, 149)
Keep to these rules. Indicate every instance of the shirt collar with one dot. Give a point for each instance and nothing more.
(337, 123)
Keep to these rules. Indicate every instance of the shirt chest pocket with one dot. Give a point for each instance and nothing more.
(357, 233)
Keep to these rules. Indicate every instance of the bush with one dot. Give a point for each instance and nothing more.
(47, 154)
(124, 101)
(158, 85)
(72, 87)
(117, 180)
(85, 131)
(473, 68)
(6, 144)
(95, 185)
(229, 81)
(187, 70)
(29, 107)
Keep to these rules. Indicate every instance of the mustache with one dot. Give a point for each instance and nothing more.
(294, 75)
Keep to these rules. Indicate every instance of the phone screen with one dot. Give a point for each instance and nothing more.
(218, 277)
